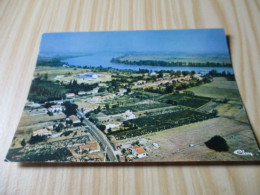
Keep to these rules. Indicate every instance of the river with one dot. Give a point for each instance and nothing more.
(103, 59)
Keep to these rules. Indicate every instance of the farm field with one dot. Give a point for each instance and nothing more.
(148, 124)
(135, 108)
(185, 100)
(218, 88)
(174, 143)
(27, 120)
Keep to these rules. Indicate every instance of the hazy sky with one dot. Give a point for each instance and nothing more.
(184, 41)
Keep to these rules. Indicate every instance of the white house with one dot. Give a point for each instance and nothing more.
(112, 125)
(128, 115)
(55, 108)
(82, 93)
(70, 95)
(41, 132)
(138, 151)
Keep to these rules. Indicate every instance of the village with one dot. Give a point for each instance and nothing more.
(109, 121)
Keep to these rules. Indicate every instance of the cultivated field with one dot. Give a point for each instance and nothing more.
(174, 143)
(218, 88)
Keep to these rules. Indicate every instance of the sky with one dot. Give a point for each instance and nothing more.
(199, 41)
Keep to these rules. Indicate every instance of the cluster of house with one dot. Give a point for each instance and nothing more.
(186, 78)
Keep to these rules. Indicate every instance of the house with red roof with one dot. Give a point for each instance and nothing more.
(138, 151)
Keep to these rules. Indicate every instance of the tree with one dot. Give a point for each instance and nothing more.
(169, 89)
(101, 89)
(102, 127)
(23, 143)
(217, 143)
(107, 106)
(37, 138)
(70, 109)
(123, 151)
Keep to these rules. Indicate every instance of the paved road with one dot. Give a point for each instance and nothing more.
(100, 137)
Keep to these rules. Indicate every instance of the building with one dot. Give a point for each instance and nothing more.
(154, 74)
(82, 93)
(90, 146)
(128, 115)
(59, 76)
(70, 95)
(55, 108)
(32, 105)
(88, 75)
(122, 92)
(112, 125)
(91, 75)
(138, 151)
(140, 82)
(93, 107)
(41, 132)
(74, 119)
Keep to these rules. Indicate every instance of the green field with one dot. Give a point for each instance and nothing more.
(135, 108)
(218, 88)
(150, 124)
(185, 100)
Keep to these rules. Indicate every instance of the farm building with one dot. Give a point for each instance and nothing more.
(74, 119)
(138, 151)
(91, 146)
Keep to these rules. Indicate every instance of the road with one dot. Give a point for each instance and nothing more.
(101, 138)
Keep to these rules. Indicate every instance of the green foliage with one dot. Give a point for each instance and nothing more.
(217, 143)
(44, 90)
(23, 143)
(101, 127)
(37, 138)
(74, 87)
(67, 133)
(186, 100)
(70, 109)
(45, 154)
